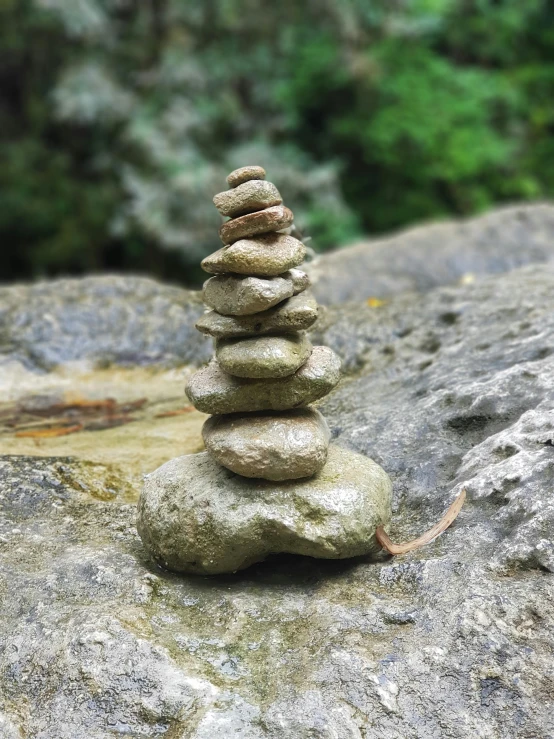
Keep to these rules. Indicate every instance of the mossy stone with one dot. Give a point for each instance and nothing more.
(212, 390)
(196, 516)
(284, 445)
(263, 356)
(263, 256)
(297, 313)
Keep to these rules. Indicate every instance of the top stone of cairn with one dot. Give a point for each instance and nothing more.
(244, 174)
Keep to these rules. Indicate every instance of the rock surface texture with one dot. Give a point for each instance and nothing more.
(444, 388)
(436, 254)
(208, 520)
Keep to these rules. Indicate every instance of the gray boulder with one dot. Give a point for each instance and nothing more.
(449, 389)
(436, 254)
(102, 320)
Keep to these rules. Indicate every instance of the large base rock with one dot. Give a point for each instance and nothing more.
(196, 516)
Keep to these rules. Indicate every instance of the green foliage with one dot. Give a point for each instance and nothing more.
(121, 119)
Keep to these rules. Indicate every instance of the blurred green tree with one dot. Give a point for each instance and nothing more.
(120, 120)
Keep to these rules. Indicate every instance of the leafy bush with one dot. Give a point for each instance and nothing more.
(122, 118)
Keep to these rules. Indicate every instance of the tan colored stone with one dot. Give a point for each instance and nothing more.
(252, 224)
(243, 174)
(262, 256)
(272, 446)
(212, 390)
(246, 198)
(294, 314)
(263, 356)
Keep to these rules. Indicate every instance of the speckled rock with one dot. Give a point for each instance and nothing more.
(263, 356)
(238, 296)
(196, 516)
(247, 197)
(252, 224)
(435, 254)
(212, 390)
(262, 256)
(300, 280)
(450, 389)
(244, 174)
(127, 321)
(285, 445)
(294, 314)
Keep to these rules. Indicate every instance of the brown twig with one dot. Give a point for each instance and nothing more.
(437, 529)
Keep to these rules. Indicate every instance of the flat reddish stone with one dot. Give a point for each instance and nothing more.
(252, 224)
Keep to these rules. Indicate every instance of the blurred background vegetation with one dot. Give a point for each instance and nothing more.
(120, 119)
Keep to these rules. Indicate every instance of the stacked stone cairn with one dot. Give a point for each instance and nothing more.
(268, 482)
(265, 372)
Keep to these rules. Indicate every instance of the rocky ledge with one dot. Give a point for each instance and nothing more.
(448, 388)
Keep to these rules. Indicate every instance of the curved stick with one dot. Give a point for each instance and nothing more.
(437, 529)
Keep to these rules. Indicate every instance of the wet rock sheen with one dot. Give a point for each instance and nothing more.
(273, 446)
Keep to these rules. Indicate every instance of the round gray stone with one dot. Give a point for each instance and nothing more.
(243, 174)
(263, 256)
(247, 197)
(286, 445)
(263, 356)
(196, 516)
(211, 390)
(294, 314)
(263, 221)
(238, 296)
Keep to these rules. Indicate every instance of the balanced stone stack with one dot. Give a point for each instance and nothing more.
(265, 372)
(269, 481)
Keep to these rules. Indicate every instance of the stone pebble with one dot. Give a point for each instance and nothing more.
(270, 219)
(211, 390)
(246, 198)
(286, 445)
(196, 516)
(296, 313)
(236, 295)
(243, 174)
(263, 356)
(263, 256)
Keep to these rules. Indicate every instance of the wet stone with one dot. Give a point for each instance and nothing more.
(238, 296)
(252, 224)
(300, 280)
(248, 197)
(294, 314)
(263, 356)
(197, 516)
(243, 174)
(212, 390)
(263, 256)
(274, 446)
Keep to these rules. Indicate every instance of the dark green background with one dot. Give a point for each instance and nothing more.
(119, 120)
